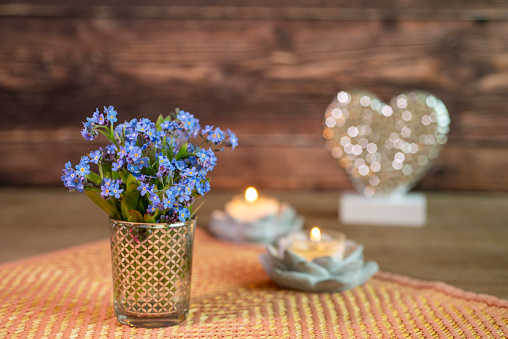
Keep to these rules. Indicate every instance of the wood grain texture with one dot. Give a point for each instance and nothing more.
(269, 76)
(264, 9)
(279, 161)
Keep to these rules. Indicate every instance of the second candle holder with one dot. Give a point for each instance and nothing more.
(253, 218)
(317, 263)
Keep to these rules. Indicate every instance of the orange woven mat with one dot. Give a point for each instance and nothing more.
(68, 294)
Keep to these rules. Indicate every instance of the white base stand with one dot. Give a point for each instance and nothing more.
(406, 210)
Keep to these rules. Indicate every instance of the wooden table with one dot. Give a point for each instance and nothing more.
(465, 242)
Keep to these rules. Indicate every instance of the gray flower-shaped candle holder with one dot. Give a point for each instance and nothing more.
(323, 274)
(264, 230)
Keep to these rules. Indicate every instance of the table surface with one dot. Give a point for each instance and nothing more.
(68, 294)
(465, 241)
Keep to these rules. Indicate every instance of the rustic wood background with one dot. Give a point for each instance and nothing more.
(266, 70)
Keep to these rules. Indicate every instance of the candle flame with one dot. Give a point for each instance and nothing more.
(315, 234)
(251, 194)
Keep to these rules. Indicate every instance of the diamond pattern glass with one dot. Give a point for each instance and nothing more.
(152, 266)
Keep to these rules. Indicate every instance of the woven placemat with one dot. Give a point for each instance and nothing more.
(68, 294)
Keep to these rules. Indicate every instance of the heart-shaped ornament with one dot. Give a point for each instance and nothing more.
(385, 149)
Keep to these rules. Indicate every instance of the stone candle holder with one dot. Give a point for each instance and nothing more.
(263, 230)
(323, 274)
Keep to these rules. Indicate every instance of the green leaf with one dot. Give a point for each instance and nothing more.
(105, 205)
(93, 189)
(132, 200)
(125, 209)
(149, 218)
(94, 177)
(114, 175)
(101, 172)
(122, 175)
(159, 121)
(143, 203)
(157, 214)
(136, 215)
(133, 187)
(182, 152)
(195, 210)
(131, 180)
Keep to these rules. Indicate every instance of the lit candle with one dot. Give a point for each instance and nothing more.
(251, 195)
(251, 207)
(318, 244)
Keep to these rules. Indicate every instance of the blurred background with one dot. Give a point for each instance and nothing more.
(265, 70)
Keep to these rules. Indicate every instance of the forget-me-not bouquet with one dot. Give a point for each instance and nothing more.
(151, 172)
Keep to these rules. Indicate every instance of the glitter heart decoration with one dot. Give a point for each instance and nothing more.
(384, 148)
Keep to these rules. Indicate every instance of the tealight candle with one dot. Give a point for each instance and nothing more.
(251, 207)
(318, 244)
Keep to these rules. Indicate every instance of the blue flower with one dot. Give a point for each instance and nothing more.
(141, 127)
(179, 164)
(131, 136)
(184, 191)
(207, 159)
(115, 190)
(129, 146)
(80, 187)
(203, 187)
(106, 191)
(135, 154)
(143, 163)
(110, 113)
(189, 172)
(188, 190)
(216, 136)
(192, 161)
(151, 134)
(147, 152)
(84, 160)
(73, 181)
(116, 166)
(133, 169)
(183, 214)
(188, 120)
(145, 121)
(95, 156)
(163, 160)
(164, 170)
(70, 179)
(202, 155)
(88, 134)
(111, 149)
(89, 123)
(233, 140)
(119, 129)
(169, 125)
(98, 118)
(207, 130)
(122, 152)
(169, 200)
(82, 170)
(139, 176)
(155, 203)
(144, 188)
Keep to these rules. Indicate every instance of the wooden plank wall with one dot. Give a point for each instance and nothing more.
(266, 70)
